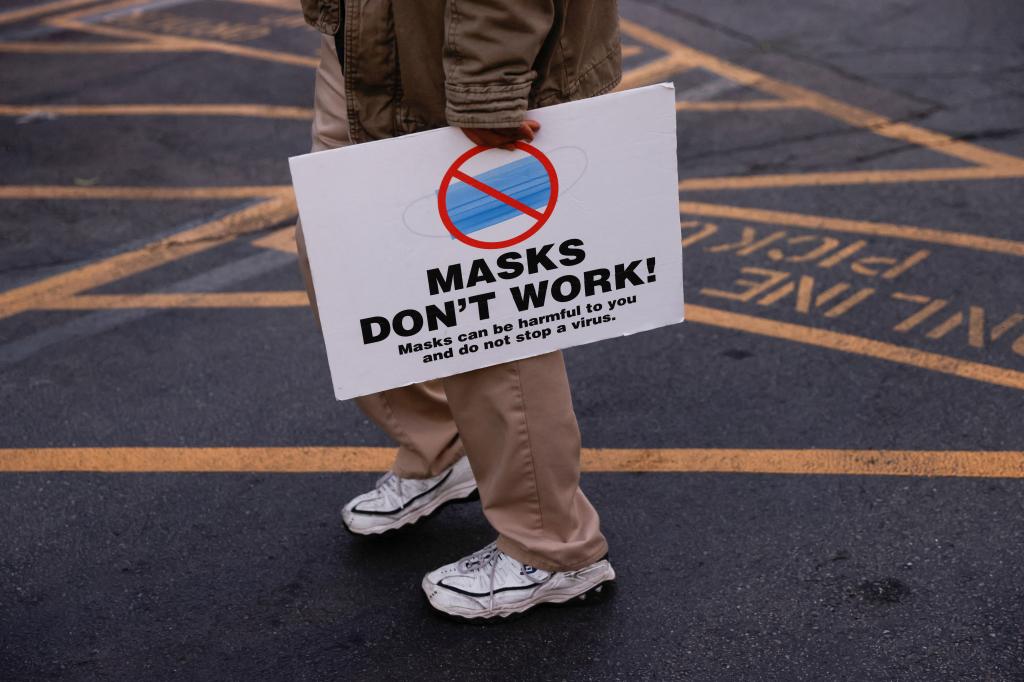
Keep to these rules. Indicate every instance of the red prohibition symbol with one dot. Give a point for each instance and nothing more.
(454, 173)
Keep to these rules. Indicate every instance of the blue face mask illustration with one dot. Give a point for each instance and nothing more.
(525, 180)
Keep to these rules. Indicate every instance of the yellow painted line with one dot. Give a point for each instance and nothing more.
(652, 38)
(953, 463)
(50, 192)
(38, 9)
(181, 43)
(740, 105)
(631, 50)
(283, 460)
(83, 48)
(287, 5)
(246, 299)
(992, 464)
(814, 336)
(857, 345)
(652, 72)
(648, 73)
(849, 114)
(281, 240)
(870, 177)
(45, 292)
(814, 222)
(245, 110)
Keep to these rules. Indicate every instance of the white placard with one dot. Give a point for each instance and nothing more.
(431, 257)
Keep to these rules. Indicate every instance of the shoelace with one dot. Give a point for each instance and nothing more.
(390, 486)
(480, 557)
(491, 555)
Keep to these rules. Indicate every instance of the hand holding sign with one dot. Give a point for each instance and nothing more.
(503, 137)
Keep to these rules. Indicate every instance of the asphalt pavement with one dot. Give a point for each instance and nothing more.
(820, 475)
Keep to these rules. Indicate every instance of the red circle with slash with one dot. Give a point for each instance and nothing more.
(453, 173)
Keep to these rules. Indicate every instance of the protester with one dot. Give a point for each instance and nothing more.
(393, 67)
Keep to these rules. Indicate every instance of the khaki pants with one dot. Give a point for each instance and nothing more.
(514, 421)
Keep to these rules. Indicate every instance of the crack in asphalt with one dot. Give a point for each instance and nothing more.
(990, 134)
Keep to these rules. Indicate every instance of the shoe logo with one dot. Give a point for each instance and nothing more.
(527, 570)
(453, 588)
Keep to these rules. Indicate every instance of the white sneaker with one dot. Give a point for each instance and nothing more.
(397, 501)
(490, 583)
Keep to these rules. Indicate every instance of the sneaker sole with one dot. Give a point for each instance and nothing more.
(598, 592)
(458, 495)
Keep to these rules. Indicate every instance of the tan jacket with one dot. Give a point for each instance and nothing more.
(412, 65)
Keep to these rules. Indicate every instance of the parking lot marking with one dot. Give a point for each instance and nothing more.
(856, 345)
(280, 240)
(241, 110)
(81, 327)
(39, 9)
(847, 113)
(74, 192)
(15, 47)
(961, 240)
(652, 72)
(959, 463)
(180, 44)
(58, 287)
(77, 21)
(797, 333)
(286, 5)
(739, 105)
(232, 299)
(989, 164)
(835, 178)
(65, 291)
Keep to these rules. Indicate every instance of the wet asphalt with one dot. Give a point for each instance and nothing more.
(721, 576)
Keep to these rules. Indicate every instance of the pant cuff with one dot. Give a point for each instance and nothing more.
(448, 455)
(546, 562)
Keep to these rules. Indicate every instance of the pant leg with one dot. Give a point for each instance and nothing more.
(329, 131)
(417, 417)
(523, 442)
(515, 419)
(330, 108)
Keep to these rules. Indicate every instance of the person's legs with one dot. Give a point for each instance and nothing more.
(417, 416)
(523, 442)
(524, 446)
(515, 419)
